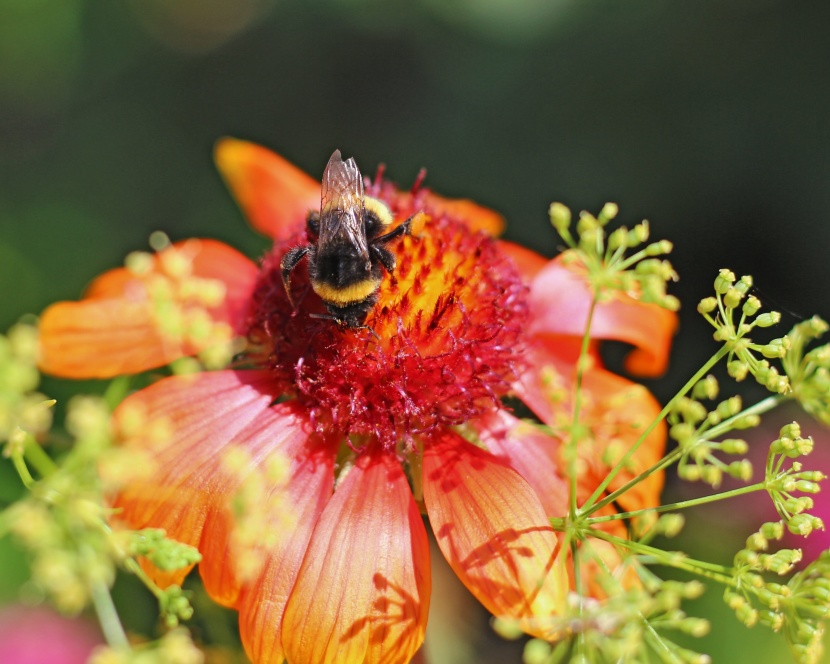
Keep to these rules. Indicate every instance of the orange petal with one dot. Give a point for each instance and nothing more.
(615, 412)
(262, 603)
(619, 412)
(116, 329)
(527, 261)
(208, 259)
(274, 194)
(475, 216)
(100, 339)
(187, 426)
(532, 453)
(363, 590)
(493, 531)
(561, 300)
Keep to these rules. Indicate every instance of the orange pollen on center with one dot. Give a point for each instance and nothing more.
(441, 345)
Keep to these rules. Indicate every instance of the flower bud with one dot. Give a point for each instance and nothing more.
(751, 306)
(768, 319)
(560, 217)
(707, 305)
(724, 281)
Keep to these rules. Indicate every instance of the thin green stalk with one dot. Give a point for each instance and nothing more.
(763, 406)
(589, 506)
(664, 652)
(684, 504)
(108, 618)
(134, 568)
(23, 470)
(706, 570)
(759, 408)
(572, 440)
(38, 458)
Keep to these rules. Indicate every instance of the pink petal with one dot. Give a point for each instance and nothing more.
(560, 301)
(532, 453)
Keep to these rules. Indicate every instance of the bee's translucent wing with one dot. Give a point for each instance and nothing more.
(341, 209)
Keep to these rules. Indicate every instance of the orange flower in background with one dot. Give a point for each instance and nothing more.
(375, 423)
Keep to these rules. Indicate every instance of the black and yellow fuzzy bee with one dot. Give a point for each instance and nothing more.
(346, 246)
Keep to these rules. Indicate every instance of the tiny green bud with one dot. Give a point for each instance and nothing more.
(744, 283)
(772, 530)
(741, 470)
(159, 240)
(738, 369)
(732, 298)
(689, 473)
(609, 211)
(696, 627)
(639, 234)
(712, 475)
(747, 615)
(757, 542)
(536, 651)
(734, 446)
(768, 319)
(724, 281)
(751, 306)
(672, 524)
(807, 487)
(506, 628)
(617, 239)
(800, 524)
(791, 430)
(776, 348)
(560, 217)
(707, 305)
(747, 421)
(733, 600)
(706, 388)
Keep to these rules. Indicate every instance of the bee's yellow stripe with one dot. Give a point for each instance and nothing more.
(344, 295)
(379, 208)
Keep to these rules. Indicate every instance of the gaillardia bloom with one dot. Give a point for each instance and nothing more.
(376, 424)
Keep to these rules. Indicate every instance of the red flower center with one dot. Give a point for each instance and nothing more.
(442, 344)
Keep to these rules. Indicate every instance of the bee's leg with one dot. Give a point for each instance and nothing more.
(404, 228)
(288, 263)
(312, 223)
(382, 254)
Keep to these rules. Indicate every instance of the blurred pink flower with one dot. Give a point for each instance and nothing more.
(40, 636)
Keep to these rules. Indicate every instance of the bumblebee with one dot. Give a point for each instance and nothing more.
(347, 245)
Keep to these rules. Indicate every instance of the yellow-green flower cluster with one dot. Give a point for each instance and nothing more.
(604, 256)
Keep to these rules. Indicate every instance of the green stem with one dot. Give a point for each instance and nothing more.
(589, 507)
(107, 616)
(662, 649)
(572, 439)
(23, 470)
(693, 502)
(763, 406)
(134, 568)
(678, 561)
(38, 458)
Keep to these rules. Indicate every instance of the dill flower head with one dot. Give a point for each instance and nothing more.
(370, 427)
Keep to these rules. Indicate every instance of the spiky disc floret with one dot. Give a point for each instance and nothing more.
(442, 343)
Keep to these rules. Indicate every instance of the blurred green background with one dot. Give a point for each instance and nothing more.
(709, 118)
